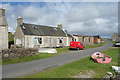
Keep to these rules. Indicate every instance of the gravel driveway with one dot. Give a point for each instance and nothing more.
(21, 69)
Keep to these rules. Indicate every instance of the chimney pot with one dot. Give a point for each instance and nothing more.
(19, 21)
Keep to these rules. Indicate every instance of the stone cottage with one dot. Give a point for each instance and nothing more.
(3, 30)
(86, 40)
(37, 36)
(114, 37)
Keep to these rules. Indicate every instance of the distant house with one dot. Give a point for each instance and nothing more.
(97, 39)
(3, 31)
(86, 40)
(37, 36)
(114, 37)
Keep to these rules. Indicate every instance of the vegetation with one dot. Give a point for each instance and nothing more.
(113, 42)
(95, 45)
(28, 58)
(63, 50)
(80, 67)
(10, 39)
(44, 55)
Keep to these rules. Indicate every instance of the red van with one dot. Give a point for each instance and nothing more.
(76, 45)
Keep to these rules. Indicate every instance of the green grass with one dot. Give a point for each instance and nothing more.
(63, 50)
(35, 57)
(28, 58)
(113, 42)
(95, 45)
(74, 68)
(44, 55)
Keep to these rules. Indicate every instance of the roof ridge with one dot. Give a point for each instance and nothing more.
(40, 25)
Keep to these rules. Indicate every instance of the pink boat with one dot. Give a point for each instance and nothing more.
(101, 58)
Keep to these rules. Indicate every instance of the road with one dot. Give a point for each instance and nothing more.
(22, 69)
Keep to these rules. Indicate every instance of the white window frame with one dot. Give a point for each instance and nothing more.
(62, 39)
(36, 41)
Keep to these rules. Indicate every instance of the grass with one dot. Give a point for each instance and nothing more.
(63, 50)
(43, 55)
(95, 45)
(113, 42)
(28, 58)
(74, 68)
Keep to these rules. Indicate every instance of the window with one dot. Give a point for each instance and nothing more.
(40, 40)
(83, 39)
(60, 40)
(37, 40)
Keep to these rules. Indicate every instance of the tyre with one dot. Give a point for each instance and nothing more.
(78, 48)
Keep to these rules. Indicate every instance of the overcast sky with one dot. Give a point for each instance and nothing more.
(85, 18)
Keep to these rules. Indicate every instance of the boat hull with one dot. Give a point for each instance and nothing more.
(101, 58)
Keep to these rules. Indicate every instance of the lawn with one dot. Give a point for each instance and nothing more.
(44, 55)
(80, 67)
(28, 58)
(95, 45)
(35, 57)
(113, 42)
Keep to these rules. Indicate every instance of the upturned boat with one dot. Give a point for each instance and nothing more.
(101, 58)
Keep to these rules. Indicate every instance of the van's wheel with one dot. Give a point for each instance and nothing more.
(83, 48)
(78, 48)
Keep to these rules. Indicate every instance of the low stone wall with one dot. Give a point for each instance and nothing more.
(18, 52)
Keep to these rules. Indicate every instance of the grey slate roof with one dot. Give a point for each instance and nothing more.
(40, 30)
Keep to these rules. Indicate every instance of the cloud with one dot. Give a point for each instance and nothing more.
(78, 17)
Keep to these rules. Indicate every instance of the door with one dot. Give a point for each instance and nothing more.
(51, 42)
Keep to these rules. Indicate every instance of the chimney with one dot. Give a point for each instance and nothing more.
(19, 21)
(60, 25)
(2, 12)
(3, 22)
